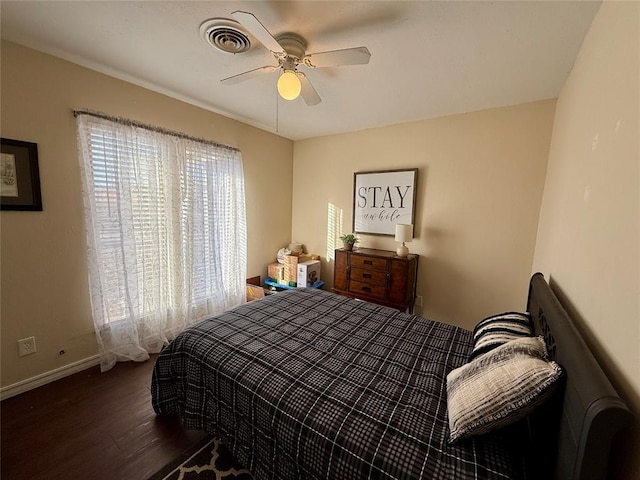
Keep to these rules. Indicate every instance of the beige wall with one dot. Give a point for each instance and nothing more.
(588, 239)
(44, 279)
(589, 234)
(480, 185)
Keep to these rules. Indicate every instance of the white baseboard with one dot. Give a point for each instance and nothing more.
(48, 377)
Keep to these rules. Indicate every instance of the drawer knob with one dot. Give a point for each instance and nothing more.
(368, 262)
(366, 289)
(366, 275)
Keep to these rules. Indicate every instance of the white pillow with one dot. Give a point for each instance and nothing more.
(500, 387)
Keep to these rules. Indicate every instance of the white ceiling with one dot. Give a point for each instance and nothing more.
(428, 58)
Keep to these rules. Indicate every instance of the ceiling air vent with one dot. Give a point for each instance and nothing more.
(225, 35)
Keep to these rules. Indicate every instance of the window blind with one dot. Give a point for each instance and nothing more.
(166, 232)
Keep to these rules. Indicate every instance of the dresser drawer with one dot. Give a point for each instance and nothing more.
(375, 291)
(368, 263)
(374, 277)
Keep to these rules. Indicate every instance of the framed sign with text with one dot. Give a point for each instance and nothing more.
(383, 199)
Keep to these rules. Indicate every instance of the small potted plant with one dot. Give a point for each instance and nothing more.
(349, 240)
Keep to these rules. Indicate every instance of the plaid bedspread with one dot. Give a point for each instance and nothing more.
(307, 385)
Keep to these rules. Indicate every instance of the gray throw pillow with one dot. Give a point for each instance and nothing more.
(499, 329)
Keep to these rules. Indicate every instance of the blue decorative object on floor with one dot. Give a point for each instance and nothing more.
(274, 284)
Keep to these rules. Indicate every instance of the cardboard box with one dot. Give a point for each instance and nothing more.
(275, 271)
(308, 273)
(290, 268)
(254, 292)
(304, 257)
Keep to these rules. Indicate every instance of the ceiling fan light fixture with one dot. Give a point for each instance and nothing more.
(290, 50)
(289, 85)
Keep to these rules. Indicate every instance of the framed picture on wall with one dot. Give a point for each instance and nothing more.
(383, 199)
(19, 176)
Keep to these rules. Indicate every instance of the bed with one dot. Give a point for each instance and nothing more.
(307, 384)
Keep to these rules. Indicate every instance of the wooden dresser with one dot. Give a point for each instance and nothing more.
(377, 276)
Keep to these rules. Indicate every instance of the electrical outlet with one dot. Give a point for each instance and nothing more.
(26, 346)
(418, 300)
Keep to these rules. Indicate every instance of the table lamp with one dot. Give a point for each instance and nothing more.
(404, 233)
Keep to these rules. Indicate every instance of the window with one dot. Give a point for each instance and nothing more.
(166, 232)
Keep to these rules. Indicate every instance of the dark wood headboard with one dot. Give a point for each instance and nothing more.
(575, 430)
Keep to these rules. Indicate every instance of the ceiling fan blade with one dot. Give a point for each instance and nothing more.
(335, 58)
(309, 94)
(241, 77)
(251, 23)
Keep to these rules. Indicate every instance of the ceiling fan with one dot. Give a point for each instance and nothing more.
(290, 52)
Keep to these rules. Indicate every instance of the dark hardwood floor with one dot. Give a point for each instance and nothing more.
(90, 425)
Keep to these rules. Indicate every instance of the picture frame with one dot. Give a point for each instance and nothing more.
(19, 176)
(382, 199)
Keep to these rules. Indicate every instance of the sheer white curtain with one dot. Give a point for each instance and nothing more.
(166, 233)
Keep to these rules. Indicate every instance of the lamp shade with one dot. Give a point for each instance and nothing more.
(289, 85)
(404, 232)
